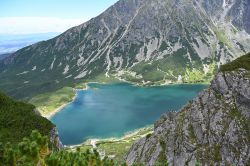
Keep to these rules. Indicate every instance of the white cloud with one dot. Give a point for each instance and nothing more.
(30, 25)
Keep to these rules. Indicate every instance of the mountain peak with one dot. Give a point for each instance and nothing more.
(141, 41)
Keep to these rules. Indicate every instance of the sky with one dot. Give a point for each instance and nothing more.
(42, 16)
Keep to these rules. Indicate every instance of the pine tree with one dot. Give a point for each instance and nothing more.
(35, 151)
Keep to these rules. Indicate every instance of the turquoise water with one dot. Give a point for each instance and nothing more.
(111, 110)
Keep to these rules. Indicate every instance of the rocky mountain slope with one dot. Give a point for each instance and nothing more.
(143, 41)
(2, 56)
(213, 129)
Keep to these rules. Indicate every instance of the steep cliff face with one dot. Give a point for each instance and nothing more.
(143, 41)
(214, 128)
(55, 140)
(233, 12)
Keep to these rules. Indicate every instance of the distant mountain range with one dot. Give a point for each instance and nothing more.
(141, 41)
(11, 43)
(2, 56)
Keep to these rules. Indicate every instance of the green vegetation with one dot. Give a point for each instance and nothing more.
(29, 151)
(49, 102)
(243, 121)
(222, 37)
(194, 75)
(192, 133)
(18, 119)
(241, 62)
(101, 78)
(35, 151)
(217, 153)
(81, 86)
(163, 69)
(162, 159)
(148, 135)
(118, 148)
(79, 158)
(184, 62)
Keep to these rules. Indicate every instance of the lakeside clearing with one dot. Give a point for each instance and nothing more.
(48, 104)
(115, 148)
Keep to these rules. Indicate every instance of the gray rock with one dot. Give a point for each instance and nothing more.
(213, 129)
(55, 140)
(37, 112)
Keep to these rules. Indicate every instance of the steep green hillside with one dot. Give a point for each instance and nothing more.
(34, 150)
(242, 62)
(18, 119)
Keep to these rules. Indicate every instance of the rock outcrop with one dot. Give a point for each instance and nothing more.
(213, 129)
(55, 140)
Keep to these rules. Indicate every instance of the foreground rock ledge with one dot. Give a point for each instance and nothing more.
(214, 128)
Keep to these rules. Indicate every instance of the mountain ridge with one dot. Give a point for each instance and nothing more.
(146, 42)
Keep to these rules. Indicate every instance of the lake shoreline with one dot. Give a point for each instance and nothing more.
(96, 141)
(51, 114)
